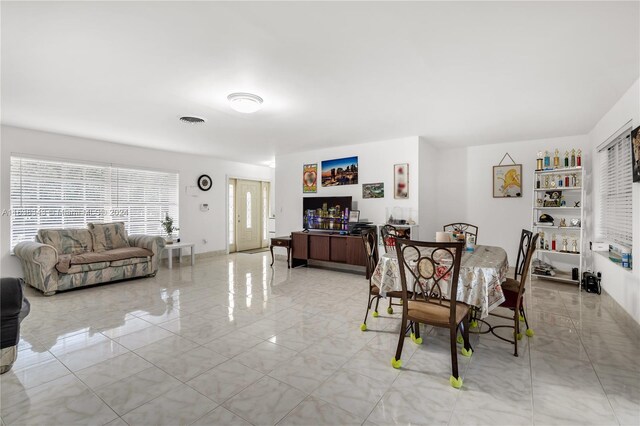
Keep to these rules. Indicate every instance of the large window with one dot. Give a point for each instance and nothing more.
(62, 194)
(615, 221)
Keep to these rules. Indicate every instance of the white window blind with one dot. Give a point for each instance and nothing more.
(60, 194)
(615, 224)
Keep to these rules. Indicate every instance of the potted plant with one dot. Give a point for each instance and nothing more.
(167, 225)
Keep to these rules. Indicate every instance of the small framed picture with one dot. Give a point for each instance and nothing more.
(552, 199)
(354, 216)
(401, 181)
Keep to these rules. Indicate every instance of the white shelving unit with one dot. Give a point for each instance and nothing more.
(563, 261)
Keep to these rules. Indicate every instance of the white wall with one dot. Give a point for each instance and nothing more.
(466, 181)
(375, 164)
(195, 226)
(429, 159)
(623, 285)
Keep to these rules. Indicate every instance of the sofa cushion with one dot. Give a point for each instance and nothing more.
(67, 241)
(67, 262)
(130, 261)
(108, 236)
(96, 266)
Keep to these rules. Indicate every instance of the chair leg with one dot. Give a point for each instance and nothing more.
(466, 350)
(516, 331)
(415, 336)
(363, 327)
(455, 380)
(375, 311)
(397, 361)
(529, 331)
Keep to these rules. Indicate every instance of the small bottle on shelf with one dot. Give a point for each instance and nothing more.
(547, 160)
(579, 158)
(541, 240)
(556, 159)
(573, 158)
(566, 159)
(538, 182)
(566, 180)
(553, 242)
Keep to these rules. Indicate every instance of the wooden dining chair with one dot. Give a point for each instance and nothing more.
(433, 270)
(389, 234)
(514, 289)
(467, 228)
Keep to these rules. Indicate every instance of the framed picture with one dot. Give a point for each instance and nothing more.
(507, 181)
(354, 216)
(373, 190)
(635, 153)
(401, 181)
(341, 171)
(552, 199)
(310, 178)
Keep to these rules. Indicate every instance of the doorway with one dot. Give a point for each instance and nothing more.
(248, 213)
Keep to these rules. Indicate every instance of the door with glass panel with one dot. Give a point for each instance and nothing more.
(248, 215)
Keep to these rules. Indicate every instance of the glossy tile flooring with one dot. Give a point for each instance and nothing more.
(231, 341)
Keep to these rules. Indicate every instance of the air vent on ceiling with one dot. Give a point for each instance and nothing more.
(192, 120)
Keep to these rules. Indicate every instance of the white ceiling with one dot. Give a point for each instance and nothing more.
(330, 73)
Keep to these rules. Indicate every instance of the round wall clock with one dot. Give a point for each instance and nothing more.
(204, 182)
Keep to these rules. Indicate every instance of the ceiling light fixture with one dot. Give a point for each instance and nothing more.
(245, 103)
(192, 120)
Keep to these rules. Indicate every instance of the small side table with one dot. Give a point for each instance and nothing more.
(179, 246)
(281, 242)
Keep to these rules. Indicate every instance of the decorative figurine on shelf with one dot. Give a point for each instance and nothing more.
(567, 180)
(539, 202)
(577, 181)
(538, 182)
(563, 222)
(564, 243)
(566, 159)
(552, 184)
(547, 161)
(556, 159)
(573, 179)
(541, 240)
(553, 242)
(546, 181)
(579, 158)
(560, 180)
(563, 202)
(574, 246)
(546, 245)
(539, 161)
(573, 158)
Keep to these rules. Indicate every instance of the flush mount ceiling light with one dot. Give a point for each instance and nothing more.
(192, 120)
(245, 103)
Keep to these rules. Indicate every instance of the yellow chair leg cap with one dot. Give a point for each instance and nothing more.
(521, 318)
(389, 310)
(375, 314)
(417, 341)
(460, 340)
(363, 327)
(519, 336)
(474, 324)
(456, 383)
(396, 363)
(529, 332)
(466, 352)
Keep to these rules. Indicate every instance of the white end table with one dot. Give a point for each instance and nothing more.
(179, 246)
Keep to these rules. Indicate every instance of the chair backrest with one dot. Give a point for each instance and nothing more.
(523, 249)
(370, 241)
(467, 228)
(528, 243)
(389, 235)
(433, 268)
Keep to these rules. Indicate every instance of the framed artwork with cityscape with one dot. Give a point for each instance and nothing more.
(341, 171)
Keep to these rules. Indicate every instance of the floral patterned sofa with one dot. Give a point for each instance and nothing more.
(62, 259)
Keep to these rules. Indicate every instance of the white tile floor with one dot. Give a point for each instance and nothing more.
(232, 341)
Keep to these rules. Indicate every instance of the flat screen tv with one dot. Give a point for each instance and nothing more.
(326, 213)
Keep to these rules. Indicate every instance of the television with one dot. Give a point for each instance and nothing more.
(326, 213)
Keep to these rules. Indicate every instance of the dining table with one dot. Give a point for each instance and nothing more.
(482, 271)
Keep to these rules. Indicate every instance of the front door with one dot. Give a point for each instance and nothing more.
(249, 226)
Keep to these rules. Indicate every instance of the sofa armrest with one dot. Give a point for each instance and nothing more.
(150, 242)
(38, 265)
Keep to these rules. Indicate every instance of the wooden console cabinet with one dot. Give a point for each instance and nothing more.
(347, 249)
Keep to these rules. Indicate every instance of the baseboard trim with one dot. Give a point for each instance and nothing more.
(619, 314)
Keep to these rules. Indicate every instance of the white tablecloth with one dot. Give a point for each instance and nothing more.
(479, 284)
